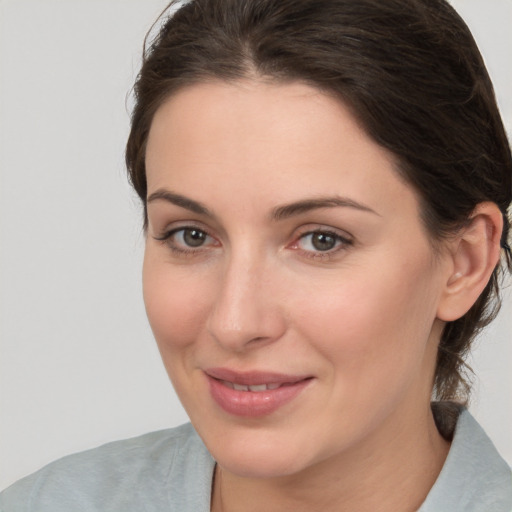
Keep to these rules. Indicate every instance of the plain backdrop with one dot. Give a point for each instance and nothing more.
(78, 365)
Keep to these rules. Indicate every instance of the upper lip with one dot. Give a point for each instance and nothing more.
(254, 377)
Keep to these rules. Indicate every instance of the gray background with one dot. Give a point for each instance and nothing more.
(78, 366)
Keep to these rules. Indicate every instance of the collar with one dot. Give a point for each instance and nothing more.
(474, 477)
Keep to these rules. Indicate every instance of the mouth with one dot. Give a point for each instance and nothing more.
(252, 394)
(254, 388)
(258, 388)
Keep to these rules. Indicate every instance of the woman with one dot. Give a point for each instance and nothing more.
(325, 189)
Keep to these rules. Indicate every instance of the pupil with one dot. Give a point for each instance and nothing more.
(194, 237)
(323, 241)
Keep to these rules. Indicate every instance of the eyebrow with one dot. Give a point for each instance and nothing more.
(306, 205)
(181, 201)
(279, 213)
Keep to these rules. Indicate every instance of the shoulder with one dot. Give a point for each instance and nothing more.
(117, 476)
(475, 477)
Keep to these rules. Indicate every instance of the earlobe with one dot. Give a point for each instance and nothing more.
(475, 254)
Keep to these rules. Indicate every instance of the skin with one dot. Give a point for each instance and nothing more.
(363, 319)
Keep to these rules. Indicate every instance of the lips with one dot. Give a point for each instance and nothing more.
(253, 394)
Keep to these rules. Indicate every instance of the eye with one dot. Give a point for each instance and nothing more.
(321, 242)
(186, 239)
(191, 237)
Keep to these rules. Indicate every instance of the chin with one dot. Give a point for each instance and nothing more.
(260, 464)
(258, 452)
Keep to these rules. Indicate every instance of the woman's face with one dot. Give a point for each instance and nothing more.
(288, 280)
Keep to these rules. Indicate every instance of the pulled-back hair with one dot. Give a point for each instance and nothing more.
(410, 72)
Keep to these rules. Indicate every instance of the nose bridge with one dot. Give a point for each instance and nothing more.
(244, 311)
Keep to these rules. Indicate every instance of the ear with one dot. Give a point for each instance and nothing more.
(474, 255)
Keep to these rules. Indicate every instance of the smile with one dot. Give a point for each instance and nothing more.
(254, 388)
(253, 394)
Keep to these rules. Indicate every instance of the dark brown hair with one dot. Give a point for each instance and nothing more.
(409, 70)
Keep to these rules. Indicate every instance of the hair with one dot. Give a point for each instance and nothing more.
(411, 73)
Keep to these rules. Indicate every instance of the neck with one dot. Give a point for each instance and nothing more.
(392, 471)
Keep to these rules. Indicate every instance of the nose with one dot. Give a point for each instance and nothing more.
(246, 312)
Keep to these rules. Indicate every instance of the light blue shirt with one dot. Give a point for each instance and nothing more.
(172, 470)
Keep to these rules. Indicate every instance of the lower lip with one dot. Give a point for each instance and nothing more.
(254, 403)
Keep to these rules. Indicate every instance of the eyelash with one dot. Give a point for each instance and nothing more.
(167, 239)
(342, 242)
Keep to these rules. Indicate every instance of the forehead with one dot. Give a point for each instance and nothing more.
(268, 141)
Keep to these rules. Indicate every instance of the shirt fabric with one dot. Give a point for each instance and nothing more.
(172, 471)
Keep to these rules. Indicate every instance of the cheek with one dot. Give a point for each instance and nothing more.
(372, 326)
(175, 304)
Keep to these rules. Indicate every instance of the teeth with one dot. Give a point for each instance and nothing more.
(255, 388)
(259, 387)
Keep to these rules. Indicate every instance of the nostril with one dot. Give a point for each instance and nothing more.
(258, 338)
